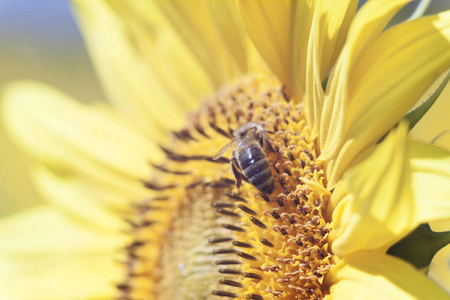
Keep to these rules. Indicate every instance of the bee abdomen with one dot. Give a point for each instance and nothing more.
(256, 168)
(262, 180)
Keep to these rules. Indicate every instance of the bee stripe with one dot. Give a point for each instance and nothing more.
(249, 156)
(267, 186)
(258, 167)
(261, 177)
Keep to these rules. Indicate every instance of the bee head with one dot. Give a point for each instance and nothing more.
(248, 128)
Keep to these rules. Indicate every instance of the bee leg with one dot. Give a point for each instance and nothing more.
(237, 174)
(264, 141)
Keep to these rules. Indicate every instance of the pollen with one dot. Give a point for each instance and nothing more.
(199, 236)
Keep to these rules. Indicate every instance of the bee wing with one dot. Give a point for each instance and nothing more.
(224, 149)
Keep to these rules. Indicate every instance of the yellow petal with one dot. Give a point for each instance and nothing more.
(389, 77)
(434, 126)
(430, 167)
(399, 186)
(212, 32)
(305, 57)
(375, 275)
(322, 26)
(336, 17)
(366, 26)
(439, 270)
(78, 140)
(440, 225)
(79, 199)
(269, 25)
(314, 94)
(379, 209)
(226, 18)
(145, 67)
(16, 188)
(45, 256)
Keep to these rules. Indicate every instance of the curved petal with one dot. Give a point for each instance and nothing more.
(379, 208)
(375, 275)
(145, 67)
(314, 94)
(43, 255)
(440, 225)
(282, 30)
(269, 25)
(434, 127)
(77, 198)
(74, 139)
(388, 78)
(212, 32)
(399, 186)
(336, 17)
(430, 166)
(15, 183)
(439, 270)
(324, 33)
(368, 23)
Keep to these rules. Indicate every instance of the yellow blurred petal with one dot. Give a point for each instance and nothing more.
(430, 167)
(89, 204)
(366, 26)
(440, 225)
(390, 77)
(399, 186)
(375, 275)
(336, 17)
(212, 32)
(45, 256)
(227, 22)
(379, 209)
(74, 139)
(15, 183)
(434, 127)
(439, 270)
(145, 67)
(322, 26)
(314, 94)
(283, 30)
(305, 56)
(269, 24)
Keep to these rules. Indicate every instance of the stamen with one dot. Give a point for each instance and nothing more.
(223, 251)
(254, 297)
(227, 212)
(258, 222)
(246, 209)
(230, 282)
(161, 168)
(230, 271)
(242, 244)
(227, 262)
(266, 242)
(233, 227)
(246, 256)
(225, 294)
(215, 240)
(155, 187)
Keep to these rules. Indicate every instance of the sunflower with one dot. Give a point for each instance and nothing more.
(142, 207)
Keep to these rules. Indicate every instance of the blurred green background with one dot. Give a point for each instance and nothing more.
(39, 40)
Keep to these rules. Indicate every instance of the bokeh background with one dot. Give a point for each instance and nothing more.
(39, 40)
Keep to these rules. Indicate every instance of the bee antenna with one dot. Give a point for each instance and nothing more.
(267, 131)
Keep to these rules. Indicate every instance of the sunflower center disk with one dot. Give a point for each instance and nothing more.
(209, 240)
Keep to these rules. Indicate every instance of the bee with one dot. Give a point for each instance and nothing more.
(249, 161)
